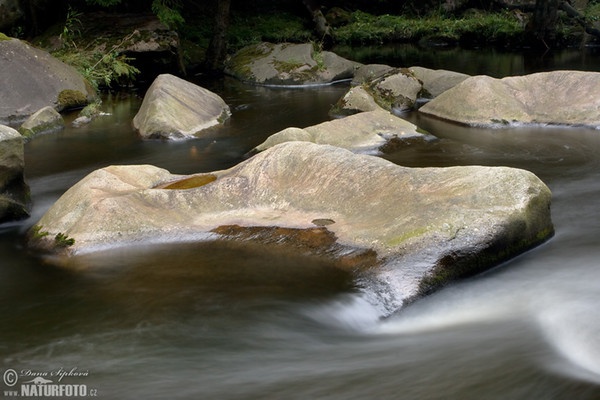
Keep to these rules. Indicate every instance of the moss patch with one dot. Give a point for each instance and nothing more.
(3, 37)
(70, 98)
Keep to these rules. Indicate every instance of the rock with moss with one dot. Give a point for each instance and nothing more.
(14, 191)
(557, 97)
(174, 108)
(396, 90)
(287, 64)
(35, 80)
(367, 132)
(415, 229)
(356, 100)
(46, 120)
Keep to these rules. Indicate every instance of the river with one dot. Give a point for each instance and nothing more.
(245, 321)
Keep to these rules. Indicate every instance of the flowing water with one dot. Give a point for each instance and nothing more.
(244, 321)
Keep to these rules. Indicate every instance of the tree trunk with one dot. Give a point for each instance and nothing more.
(545, 16)
(217, 49)
(321, 25)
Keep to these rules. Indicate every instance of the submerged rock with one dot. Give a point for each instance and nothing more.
(176, 109)
(417, 229)
(288, 64)
(367, 132)
(14, 191)
(558, 97)
(34, 79)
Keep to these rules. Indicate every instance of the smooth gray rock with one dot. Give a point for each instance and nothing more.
(14, 191)
(288, 64)
(422, 227)
(366, 132)
(43, 121)
(369, 72)
(32, 79)
(436, 81)
(174, 108)
(558, 98)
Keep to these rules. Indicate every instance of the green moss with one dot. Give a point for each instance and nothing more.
(70, 98)
(4, 37)
(37, 233)
(287, 66)
(241, 63)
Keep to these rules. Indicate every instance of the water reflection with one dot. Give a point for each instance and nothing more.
(481, 61)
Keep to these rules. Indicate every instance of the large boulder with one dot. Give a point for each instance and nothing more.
(558, 97)
(31, 79)
(367, 132)
(14, 191)
(174, 108)
(287, 64)
(417, 228)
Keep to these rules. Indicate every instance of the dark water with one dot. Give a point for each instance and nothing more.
(242, 321)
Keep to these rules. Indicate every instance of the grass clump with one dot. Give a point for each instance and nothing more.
(492, 28)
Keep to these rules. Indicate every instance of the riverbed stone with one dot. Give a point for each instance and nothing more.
(436, 81)
(14, 191)
(356, 100)
(31, 79)
(367, 132)
(396, 90)
(174, 108)
(419, 227)
(369, 72)
(557, 97)
(43, 121)
(288, 64)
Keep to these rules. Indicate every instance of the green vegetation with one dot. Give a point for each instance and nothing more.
(70, 98)
(3, 37)
(491, 28)
(274, 27)
(100, 69)
(38, 233)
(63, 240)
(92, 110)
